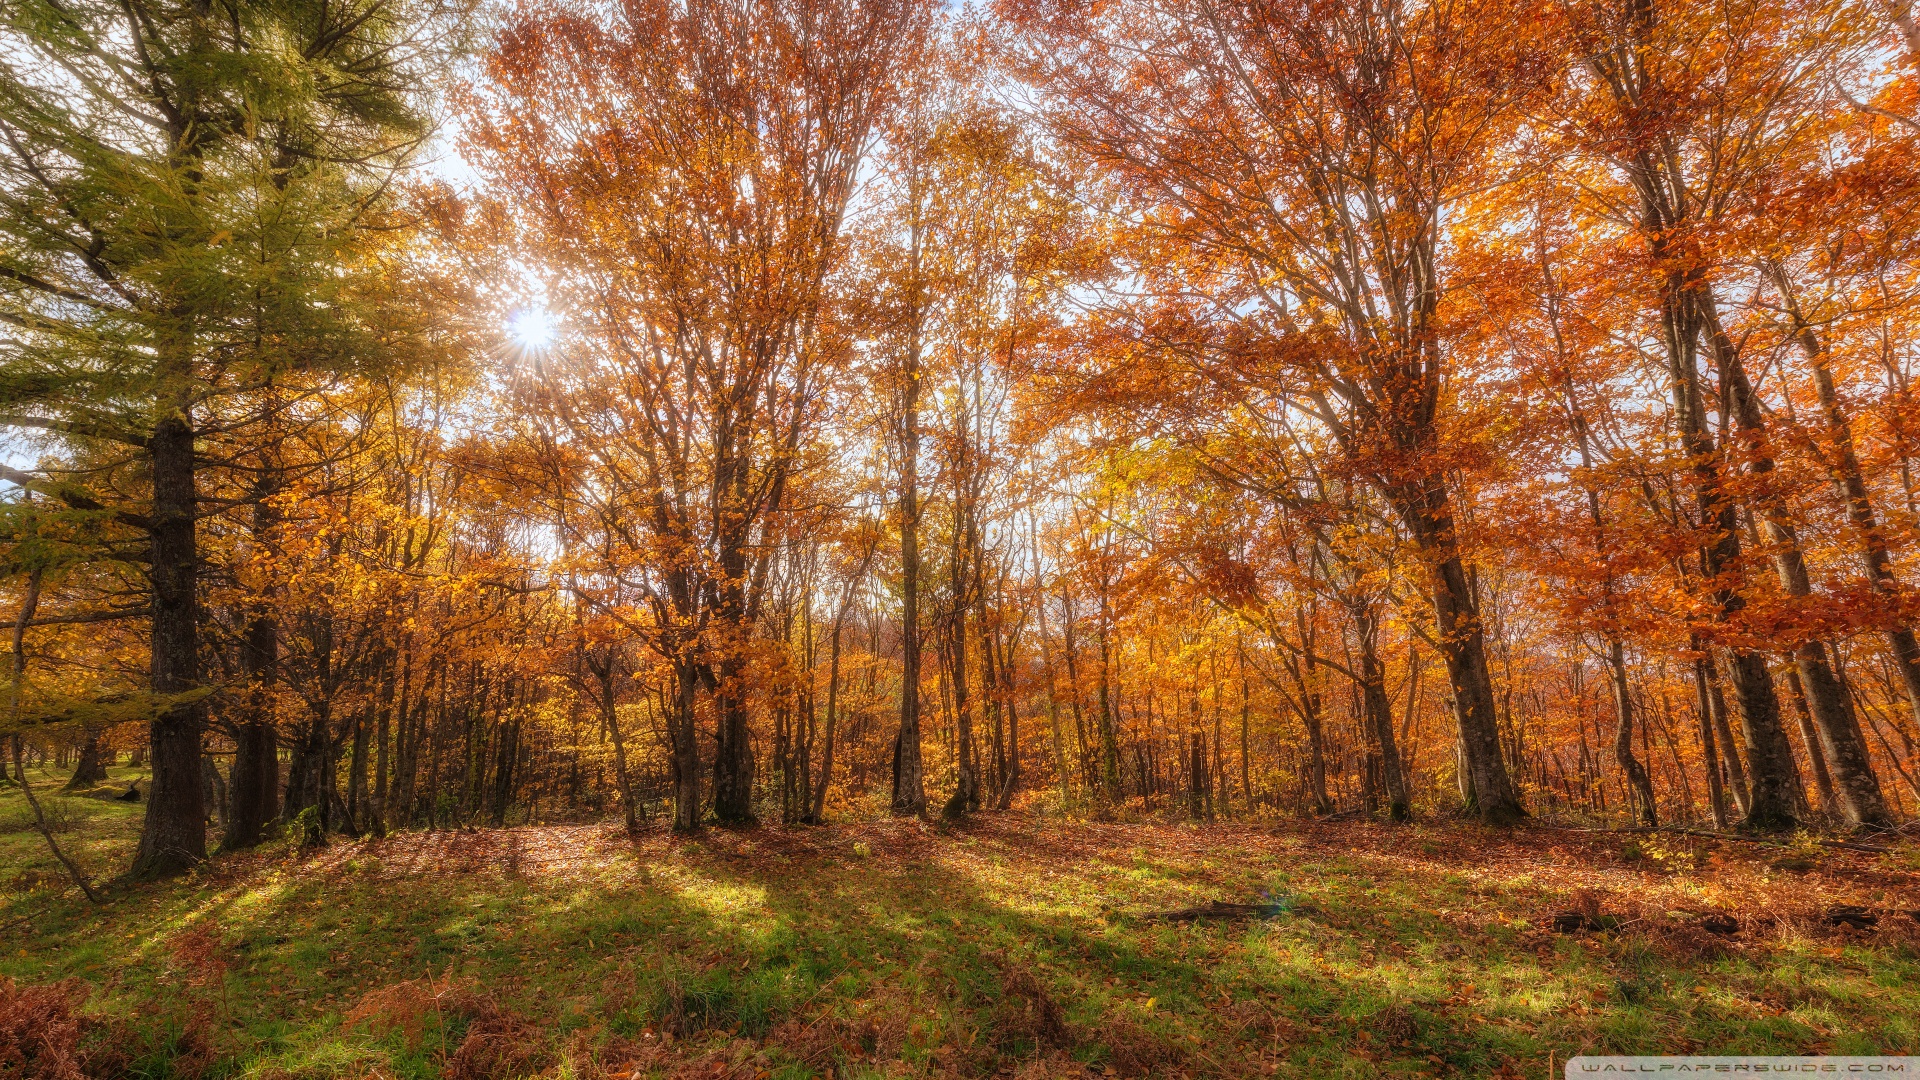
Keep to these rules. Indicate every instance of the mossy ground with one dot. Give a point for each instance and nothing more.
(1011, 945)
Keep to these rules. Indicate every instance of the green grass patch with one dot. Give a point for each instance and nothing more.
(901, 948)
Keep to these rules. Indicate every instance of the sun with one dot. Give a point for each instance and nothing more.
(532, 329)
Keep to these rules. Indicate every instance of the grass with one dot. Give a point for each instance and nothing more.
(1012, 945)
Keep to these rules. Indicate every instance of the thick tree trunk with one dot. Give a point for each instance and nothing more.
(1311, 705)
(1773, 779)
(1774, 790)
(255, 781)
(254, 785)
(173, 836)
(311, 775)
(686, 749)
(91, 766)
(1426, 507)
(1463, 645)
(733, 751)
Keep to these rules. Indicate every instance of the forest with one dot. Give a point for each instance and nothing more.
(705, 473)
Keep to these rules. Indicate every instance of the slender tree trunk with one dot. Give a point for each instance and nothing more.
(1246, 722)
(74, 872)
(966, 788)
(1378, 709)
(1109, 736)
(909, 786)
(1004, 702)
(506, 756)
(1730, 747)
(383, 736)
(1816, 756)
(1047, 668)
(605, 674)
(1081, 754)
(1849, 479)
(817, 813)
(1637, 779)
(357, 774)
(1860, 798)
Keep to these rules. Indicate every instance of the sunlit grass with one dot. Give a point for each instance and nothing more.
(1393, 960)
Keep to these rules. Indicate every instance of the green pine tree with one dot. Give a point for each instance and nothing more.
(187, 189)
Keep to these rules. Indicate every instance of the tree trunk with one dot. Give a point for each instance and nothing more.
(1109, 735)
(173, 836)
(254, 785)
(1198, 787)
(1816, 755)
(1463, 644)
(686, 749)
(506, 757)
(1001, 680)
(1637, 779)
(1774, 790)
(1729, 758)
(356, 822)
(91, 766)
(383, 737)
(909, 787)
(1378, 709)
(1860, 798)
(966, 788)
(733, 752)
(255, 780)
(817, 812)
(1246, 721)
(610, 716)
(1849, 479)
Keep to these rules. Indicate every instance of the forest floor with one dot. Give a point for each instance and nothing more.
(1010, 946)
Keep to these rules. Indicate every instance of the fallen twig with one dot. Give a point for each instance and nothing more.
(1219, 909)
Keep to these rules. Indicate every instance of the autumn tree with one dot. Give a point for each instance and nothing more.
(1284, 172)
(684, 173)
